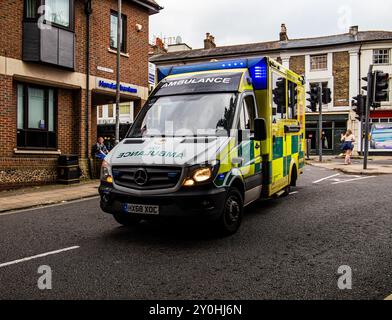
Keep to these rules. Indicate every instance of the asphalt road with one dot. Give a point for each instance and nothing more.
(287, 248)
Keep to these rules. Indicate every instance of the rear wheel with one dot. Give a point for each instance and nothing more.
(125, 219)
(231, 218)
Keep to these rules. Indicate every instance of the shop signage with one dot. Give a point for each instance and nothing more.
(112, 86)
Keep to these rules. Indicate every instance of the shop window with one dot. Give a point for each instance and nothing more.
(319, 62)
(113, 31)
(36, 107)
(110, 111)
(125, 109)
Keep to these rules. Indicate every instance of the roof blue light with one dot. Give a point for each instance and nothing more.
(257, 69)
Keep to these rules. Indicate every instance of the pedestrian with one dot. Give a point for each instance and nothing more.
(348, 140)
(99, 149)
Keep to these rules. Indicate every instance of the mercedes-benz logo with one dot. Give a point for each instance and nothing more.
(141, 177)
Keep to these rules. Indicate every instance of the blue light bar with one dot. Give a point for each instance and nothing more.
(257, 69)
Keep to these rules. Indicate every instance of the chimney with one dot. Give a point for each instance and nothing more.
(354, 31)
(283, 33)
(209, 41)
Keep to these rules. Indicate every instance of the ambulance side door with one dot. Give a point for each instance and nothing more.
(279, 115)
(249, 150)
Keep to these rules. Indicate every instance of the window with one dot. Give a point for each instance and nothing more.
(110, 111)
(293, 96)
(279, 101)
(58, 12)
(125, 109)
(381, 56)
(36, 114)
(31, 9)
(247, 114)
(100, 112)
(113, 31)
(319, 62)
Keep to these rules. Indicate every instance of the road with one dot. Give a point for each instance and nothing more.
(287, 248)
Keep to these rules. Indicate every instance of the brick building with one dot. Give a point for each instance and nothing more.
(338, 61)
(48, 100)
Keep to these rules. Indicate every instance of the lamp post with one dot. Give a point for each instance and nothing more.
(119, 31)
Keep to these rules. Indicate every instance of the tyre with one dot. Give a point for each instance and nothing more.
(294, 177)
(126, 220)
(231, 218)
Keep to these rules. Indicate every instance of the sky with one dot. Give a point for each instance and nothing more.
(247, 21)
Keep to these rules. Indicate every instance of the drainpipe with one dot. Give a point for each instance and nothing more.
(87, 11)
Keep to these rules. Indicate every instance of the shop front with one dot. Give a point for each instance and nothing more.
(334, 125)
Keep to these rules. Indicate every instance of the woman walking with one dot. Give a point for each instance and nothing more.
(348, 140)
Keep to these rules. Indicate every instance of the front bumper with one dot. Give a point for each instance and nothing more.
(204, 203)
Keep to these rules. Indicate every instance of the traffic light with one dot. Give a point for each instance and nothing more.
(365, 88)
(359, 106)
(314, 98)
(327, 95)
(279, 94)
(381, 86)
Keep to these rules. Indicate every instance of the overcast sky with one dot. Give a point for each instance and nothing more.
(245, 21)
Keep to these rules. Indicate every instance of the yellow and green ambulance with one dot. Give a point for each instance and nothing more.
(211, 139)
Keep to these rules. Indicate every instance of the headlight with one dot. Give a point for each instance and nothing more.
(105, 172)
(202, 174)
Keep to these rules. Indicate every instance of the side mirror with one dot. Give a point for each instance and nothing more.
(260, 129)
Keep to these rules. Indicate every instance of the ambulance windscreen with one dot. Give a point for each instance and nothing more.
(186, 115)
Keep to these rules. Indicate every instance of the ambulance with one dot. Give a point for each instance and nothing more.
(211, 139)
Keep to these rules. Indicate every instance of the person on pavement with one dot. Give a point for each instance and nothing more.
(99, 149)
(348, 140)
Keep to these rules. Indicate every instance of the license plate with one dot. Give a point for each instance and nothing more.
(141, 209)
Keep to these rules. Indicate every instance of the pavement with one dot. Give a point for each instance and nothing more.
(376, 165)
(46, 195)
(287, 248)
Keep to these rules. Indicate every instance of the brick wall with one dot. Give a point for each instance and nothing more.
(7, 116)
(133, 68)
(297, 64)
(341, 73)
(11, 15)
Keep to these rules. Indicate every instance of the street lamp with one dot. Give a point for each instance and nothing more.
(119, 31)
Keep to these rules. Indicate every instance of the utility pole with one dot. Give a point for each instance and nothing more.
(369, 102)
(119, 31)
(320, 101)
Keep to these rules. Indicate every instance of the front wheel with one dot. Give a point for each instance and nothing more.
(125, 219)
(231, 218)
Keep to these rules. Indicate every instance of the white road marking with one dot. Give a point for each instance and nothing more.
(294, 192)
(5, 264)
(351, 180)
(326, 178)
(389, 297)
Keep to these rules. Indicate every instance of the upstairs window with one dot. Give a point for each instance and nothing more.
(31, 9)
(319, 62)
(58, 12)
(113, 31)
(381, 56)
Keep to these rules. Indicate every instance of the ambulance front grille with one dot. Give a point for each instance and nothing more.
(133, 177)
